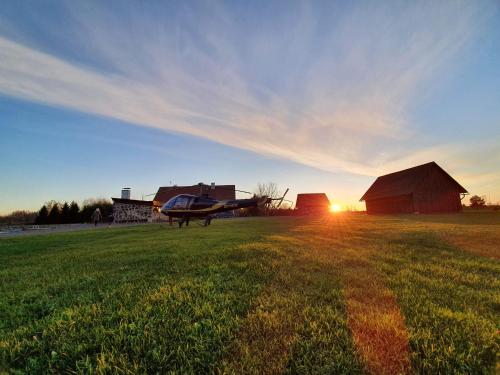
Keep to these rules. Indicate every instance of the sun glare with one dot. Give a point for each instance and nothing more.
(335, 207)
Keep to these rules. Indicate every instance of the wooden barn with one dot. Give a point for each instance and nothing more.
(425, 188)
(312, 203)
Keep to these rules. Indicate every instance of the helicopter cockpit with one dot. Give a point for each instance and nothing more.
(188, 202)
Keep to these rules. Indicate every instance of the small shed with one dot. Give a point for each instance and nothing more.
(312, 203)
(426, 188)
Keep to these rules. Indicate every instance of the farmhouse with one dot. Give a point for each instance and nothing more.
(425, 188)
(312, 203)
(126, 210)
(219, 192)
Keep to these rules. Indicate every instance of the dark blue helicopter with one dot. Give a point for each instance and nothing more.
(187, 206)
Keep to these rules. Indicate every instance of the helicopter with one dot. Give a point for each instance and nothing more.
(187, 206)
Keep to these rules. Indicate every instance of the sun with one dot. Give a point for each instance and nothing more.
(335, 207)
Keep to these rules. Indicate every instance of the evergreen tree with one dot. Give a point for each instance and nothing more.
(89, 206)
(65, 214)
(54, 215)
(74, 213)
(50, 204)
(42, 217)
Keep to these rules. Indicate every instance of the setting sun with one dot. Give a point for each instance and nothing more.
(335, 207)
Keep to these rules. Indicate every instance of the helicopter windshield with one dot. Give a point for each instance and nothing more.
(179, 202)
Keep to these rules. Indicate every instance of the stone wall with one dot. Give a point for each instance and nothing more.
(130, 212)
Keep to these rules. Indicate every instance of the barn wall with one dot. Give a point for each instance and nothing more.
(437, 194)
(312, 210)
(438, 201)
(393, 205)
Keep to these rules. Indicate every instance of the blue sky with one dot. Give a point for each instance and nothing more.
(315, 96)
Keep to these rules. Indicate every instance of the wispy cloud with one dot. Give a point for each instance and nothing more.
(328, 87)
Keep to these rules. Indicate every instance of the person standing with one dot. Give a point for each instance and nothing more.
(96, 216)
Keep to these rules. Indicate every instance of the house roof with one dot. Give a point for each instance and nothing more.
(219, 192)
(406, 182)
(311, 200)
(132, 201)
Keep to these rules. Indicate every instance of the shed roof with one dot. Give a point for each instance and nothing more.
(406, 182)
(311, 200)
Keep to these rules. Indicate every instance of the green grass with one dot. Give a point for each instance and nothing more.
(246, 296)
(451, 301)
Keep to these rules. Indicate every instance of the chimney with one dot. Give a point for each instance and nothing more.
(126, 193)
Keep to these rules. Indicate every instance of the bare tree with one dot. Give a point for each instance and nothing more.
(268, 189)
(19, 217)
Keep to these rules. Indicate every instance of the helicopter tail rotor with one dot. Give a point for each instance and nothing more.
(282, 198)
(264, 201)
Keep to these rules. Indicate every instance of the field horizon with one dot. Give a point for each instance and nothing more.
(347, 293)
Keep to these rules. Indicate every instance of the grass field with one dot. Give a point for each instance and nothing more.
(347, 294)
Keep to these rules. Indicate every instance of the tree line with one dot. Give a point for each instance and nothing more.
(18, 217)
(54, 212)
(68, 213)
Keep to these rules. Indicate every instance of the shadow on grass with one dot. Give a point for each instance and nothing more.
(450, 302)
(460, 218)
(298, 324)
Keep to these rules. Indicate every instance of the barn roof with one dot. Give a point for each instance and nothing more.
(405, 182)
(311, 199)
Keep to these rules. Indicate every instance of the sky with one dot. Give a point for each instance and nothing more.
(317, 96)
